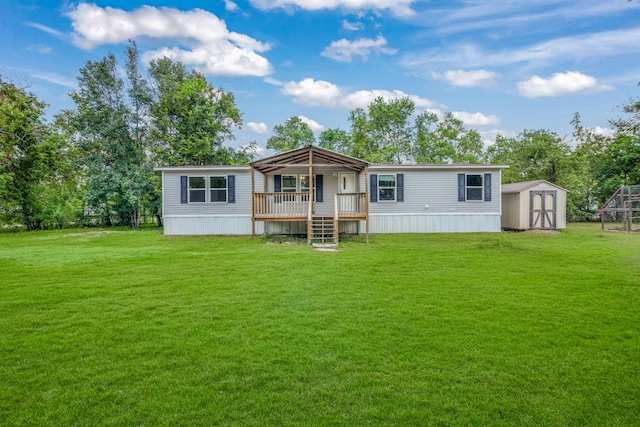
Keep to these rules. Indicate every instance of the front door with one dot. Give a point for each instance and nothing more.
(542, 210)
(347, 186)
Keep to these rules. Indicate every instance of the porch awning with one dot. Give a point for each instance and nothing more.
(301, 157)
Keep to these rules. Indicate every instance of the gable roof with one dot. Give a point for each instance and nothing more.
(302, 156)
(518, 187)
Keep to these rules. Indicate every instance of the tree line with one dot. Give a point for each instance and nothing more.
(94, 163)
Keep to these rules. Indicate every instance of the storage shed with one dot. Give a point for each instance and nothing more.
(534, 205)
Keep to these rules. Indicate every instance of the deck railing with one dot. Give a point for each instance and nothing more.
(281, 205)
(296, 205)
(351, 204)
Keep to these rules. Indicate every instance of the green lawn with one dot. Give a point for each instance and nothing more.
(104, 327)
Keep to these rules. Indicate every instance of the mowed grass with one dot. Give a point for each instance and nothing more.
(104, 327)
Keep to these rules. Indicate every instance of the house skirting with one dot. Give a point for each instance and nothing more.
(434, 223)
(378, 224)
(184, 225)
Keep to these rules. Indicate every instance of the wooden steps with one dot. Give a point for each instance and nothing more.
(323, 231)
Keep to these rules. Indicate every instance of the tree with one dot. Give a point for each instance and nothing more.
(191, 118)
(532, 155)
(448, 142)
(110, 129)
(334, 139)
(294, 133)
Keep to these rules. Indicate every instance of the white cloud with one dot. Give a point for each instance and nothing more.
(400, 8)
(602, 131)
(39, 48)
(343, 50)
(362, 98)
(560, 84)
(352, 26)
(475, 119)
(230, 6)
(46, 29)
(258, 127)
(322, 93)
(468, 78)
(313, 125)
(313, 92)
(590, 46)
(489, 136)
(273, 82)
(211, 47)
(55, 78)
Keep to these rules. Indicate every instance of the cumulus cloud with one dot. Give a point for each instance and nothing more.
(313, 125)
(363, 98)
(560, 84)
(476, 119)
(468, 78)
(399, 8)
(343, 50)
(208, 44)
(258, 127)
(598, 130)
(313, 92)
(489, 136)
(322, 93)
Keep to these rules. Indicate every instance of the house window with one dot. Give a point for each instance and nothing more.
(218, 189)
(474, 187)
(386, 188)
(304, 183)
(197, 189)
(289, 183)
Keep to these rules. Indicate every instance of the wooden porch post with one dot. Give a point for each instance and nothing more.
(310, 212)
(366, 203)
(253, 203)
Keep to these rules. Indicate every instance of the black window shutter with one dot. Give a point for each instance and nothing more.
(319, 185)
(373, 180)
(277, 183)
(231, 184)
(487, 187)
(461, 186)
(184, 189)
(400, 187)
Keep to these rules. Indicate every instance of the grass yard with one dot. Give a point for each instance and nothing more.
(105, 327)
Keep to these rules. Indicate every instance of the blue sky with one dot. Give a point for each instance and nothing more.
(501, 66)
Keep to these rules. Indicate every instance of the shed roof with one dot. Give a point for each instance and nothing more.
(517, 187)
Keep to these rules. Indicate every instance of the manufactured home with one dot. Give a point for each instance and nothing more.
(534, 205)
(320, 193)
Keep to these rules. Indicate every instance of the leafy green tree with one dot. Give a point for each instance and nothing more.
(335, 139)
(294, 133)
(110, 130)
(532, 155)
(33, 162)
(191, 118)
(448, 142)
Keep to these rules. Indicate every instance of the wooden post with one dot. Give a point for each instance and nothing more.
(253, 203)
(310, 211)
(366, 203)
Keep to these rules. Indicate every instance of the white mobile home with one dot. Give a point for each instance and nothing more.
(534, 205)
(348, 195)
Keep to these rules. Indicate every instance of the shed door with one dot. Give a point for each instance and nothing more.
(542, 207)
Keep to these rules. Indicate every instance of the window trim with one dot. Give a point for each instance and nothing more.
(288, 189)
(477, 187)
(395, 188)
(190, 189)
(225, 189)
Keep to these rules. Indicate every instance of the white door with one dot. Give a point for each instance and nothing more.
(347, 186)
